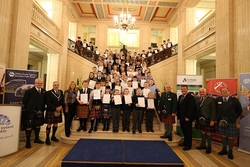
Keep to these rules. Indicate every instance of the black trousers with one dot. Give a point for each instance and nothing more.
(126, 119)
(149, 119)
(186, 127)
(68, 118)
(137, 119)
(115, 117)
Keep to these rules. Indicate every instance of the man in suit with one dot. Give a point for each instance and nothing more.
(34, 106)
(186, 109)
(206, 117)
(168, 102)
(228, 110)
(54, 102)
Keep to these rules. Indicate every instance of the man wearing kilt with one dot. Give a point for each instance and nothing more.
(206, 118)
(34, 106)
(106, 109)
(228, 111)
(168, 102)
(54, 102)
(83, 105)
(95, 107)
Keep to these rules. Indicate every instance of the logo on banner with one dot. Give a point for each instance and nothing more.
(219, 85)
(5, 123)
(246, 81)
(11, 74)
(188, 80)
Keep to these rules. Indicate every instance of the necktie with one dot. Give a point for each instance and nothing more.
(225, 100)
(201, 99)
(39, 91)
(85, 91)
(182, 98)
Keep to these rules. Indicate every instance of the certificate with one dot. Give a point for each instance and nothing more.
(103, 89)
(106, 99)
(135, 84)
(145, 92)
(117, 99)
(141, 101)
(151, 103)
(142, 82)
(91, 84)
(128, 99)
(100, 68)
(118, 88)
(84, 98)
(97, 94)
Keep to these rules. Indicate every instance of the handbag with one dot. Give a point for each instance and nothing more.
(202, 121)
(223, 123)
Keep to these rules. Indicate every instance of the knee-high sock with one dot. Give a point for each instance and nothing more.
(37, 131)
(224, 143)
(54, 131)
(28, 133)
(230, 143)
(203, 139)
(209, 140)
(47, 132)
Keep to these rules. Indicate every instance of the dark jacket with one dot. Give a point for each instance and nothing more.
(53, 101)
(169, 100)
(207, 108)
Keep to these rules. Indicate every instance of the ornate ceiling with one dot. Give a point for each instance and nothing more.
(142, 10)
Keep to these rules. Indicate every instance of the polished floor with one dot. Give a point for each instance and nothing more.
(41, 155)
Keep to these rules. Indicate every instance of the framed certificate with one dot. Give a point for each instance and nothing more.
(106, 99)
(97, 94)
(128, 99)
(151, 103)
(135, 84)
(142, 82)
(117, 99)
(84, 98)
(91, 84)
(141, 101)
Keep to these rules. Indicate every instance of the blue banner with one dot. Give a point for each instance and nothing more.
(16, 83)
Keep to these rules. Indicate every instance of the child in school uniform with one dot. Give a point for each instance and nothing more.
(106, 108)
(150, 111)
(126, 110)
(116, 109)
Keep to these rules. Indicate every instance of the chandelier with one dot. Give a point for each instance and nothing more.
(125, 21)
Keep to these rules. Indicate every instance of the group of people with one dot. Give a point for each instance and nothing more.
(211, 115)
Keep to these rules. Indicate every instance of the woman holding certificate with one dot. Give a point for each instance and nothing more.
(126, 110)
(150, 111)
(83, 105)
(138, 102)
(106, 108)
(95, 106)
(116, 102)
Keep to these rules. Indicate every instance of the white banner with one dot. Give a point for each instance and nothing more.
(9, 128)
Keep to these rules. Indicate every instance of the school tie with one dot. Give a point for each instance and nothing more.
(85, 91)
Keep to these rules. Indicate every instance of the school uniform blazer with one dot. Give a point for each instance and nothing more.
(187, 107)
(32, 100)
(169, 100)
(231, 109)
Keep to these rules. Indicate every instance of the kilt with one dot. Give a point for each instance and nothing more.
(83, 111)
(106, 111)
(206, 127)
(169, 120)
(31, 121)
(50, 118)
(95, 112)
(230, 131)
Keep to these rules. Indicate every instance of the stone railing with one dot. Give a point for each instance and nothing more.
(204, 29)
(43, 22)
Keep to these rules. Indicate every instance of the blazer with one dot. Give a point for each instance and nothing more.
(169, 100)
(53, 101)
(207, 108)
(33, 100)
(187, 107)
(231, 109)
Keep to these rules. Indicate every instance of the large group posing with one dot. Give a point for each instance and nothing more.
(119, 88)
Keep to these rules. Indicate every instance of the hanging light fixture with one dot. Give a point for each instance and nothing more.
(125, 21)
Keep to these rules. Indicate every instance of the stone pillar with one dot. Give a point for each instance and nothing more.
(52, 70)
(20, 34)
(6, 9)
(191, 67)
(224, 39)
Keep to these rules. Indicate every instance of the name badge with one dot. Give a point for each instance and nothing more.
(219, 102)
(169, 99)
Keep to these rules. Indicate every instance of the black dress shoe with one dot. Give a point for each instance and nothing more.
(181, 144)
(84, 129)
(223, 152)
(208, 150)
(152, 130)
(147, 130)
(90, 130)
(47, 141)
(164, 136)
(79, 129)
(140, 131)
(186, 148)
(170, 138)
(230, 155)
(39, 141)
(201, 147)
(133, 131)
(53, 138)
(28, 145)
(128, 130)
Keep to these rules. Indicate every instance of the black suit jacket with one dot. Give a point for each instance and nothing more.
(169, 100)
(187, 107)
(53, 101)
(33, 101)
(207, 108)
(231, 109)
